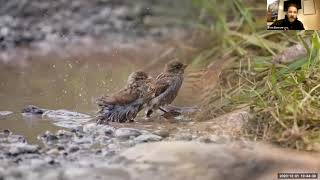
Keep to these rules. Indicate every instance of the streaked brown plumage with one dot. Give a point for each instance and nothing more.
(124, 105)
(166, 86)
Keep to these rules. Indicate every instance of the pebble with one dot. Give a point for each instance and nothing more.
(73, 149)
(90, 127)
(147, 138)
(5, 113)
(162, 132)
(125, 133)
(20, 148)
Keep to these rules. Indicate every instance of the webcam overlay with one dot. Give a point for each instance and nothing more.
(293, 14)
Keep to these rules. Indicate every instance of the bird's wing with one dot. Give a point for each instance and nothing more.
(122, 97)
(161, 84)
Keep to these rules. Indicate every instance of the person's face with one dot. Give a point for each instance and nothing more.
(292, 13)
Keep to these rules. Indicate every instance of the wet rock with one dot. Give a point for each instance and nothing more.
(127, 144)
(67, 124)
(78, 129)
(63, 114)
(60, 148)
(67, 119)
(5, 113)
(54, 152)
(73, 149)
(106, 130)
(62, 118)
(16, 139)
(147, 138)
(21, 148)
(112, 146)
(64, 134)
(162, 132)
(84, 140)
(7, 132)
(90, 127)
(51, 137)
(48, 138)
(103, 139)
(31, 109)
(125, 133)
(108, 153)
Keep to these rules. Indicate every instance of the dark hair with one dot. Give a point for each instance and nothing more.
(294, 5)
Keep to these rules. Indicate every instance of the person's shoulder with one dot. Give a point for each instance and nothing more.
(300, 25)
(299, 22)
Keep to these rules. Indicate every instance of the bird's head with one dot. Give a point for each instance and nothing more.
(138, 76)
(175, 67)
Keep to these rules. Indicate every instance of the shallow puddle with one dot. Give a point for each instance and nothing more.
(71, 83)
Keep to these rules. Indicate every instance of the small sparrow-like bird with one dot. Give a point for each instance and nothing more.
(166, 86)
(124, 105)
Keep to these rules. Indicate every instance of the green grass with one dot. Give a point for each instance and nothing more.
(284, 99)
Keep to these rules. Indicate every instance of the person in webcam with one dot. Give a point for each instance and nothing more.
(290, 22)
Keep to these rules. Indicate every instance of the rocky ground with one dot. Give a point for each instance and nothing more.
(103, 152)
(91, 151)
(48, 25)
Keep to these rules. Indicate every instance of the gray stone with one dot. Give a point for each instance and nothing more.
(73, 149)
(16, 139)
(64, 134)
(34, 110)
(147, 138)
(126, 133)
(63, 114)
(21, 148)
(5, 113)
(162, 132)
(90, 127)
(106, 130)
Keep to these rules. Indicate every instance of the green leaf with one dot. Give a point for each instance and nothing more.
(316, 40)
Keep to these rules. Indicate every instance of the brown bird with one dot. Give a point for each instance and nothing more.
(166, 86)
(124, 105)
